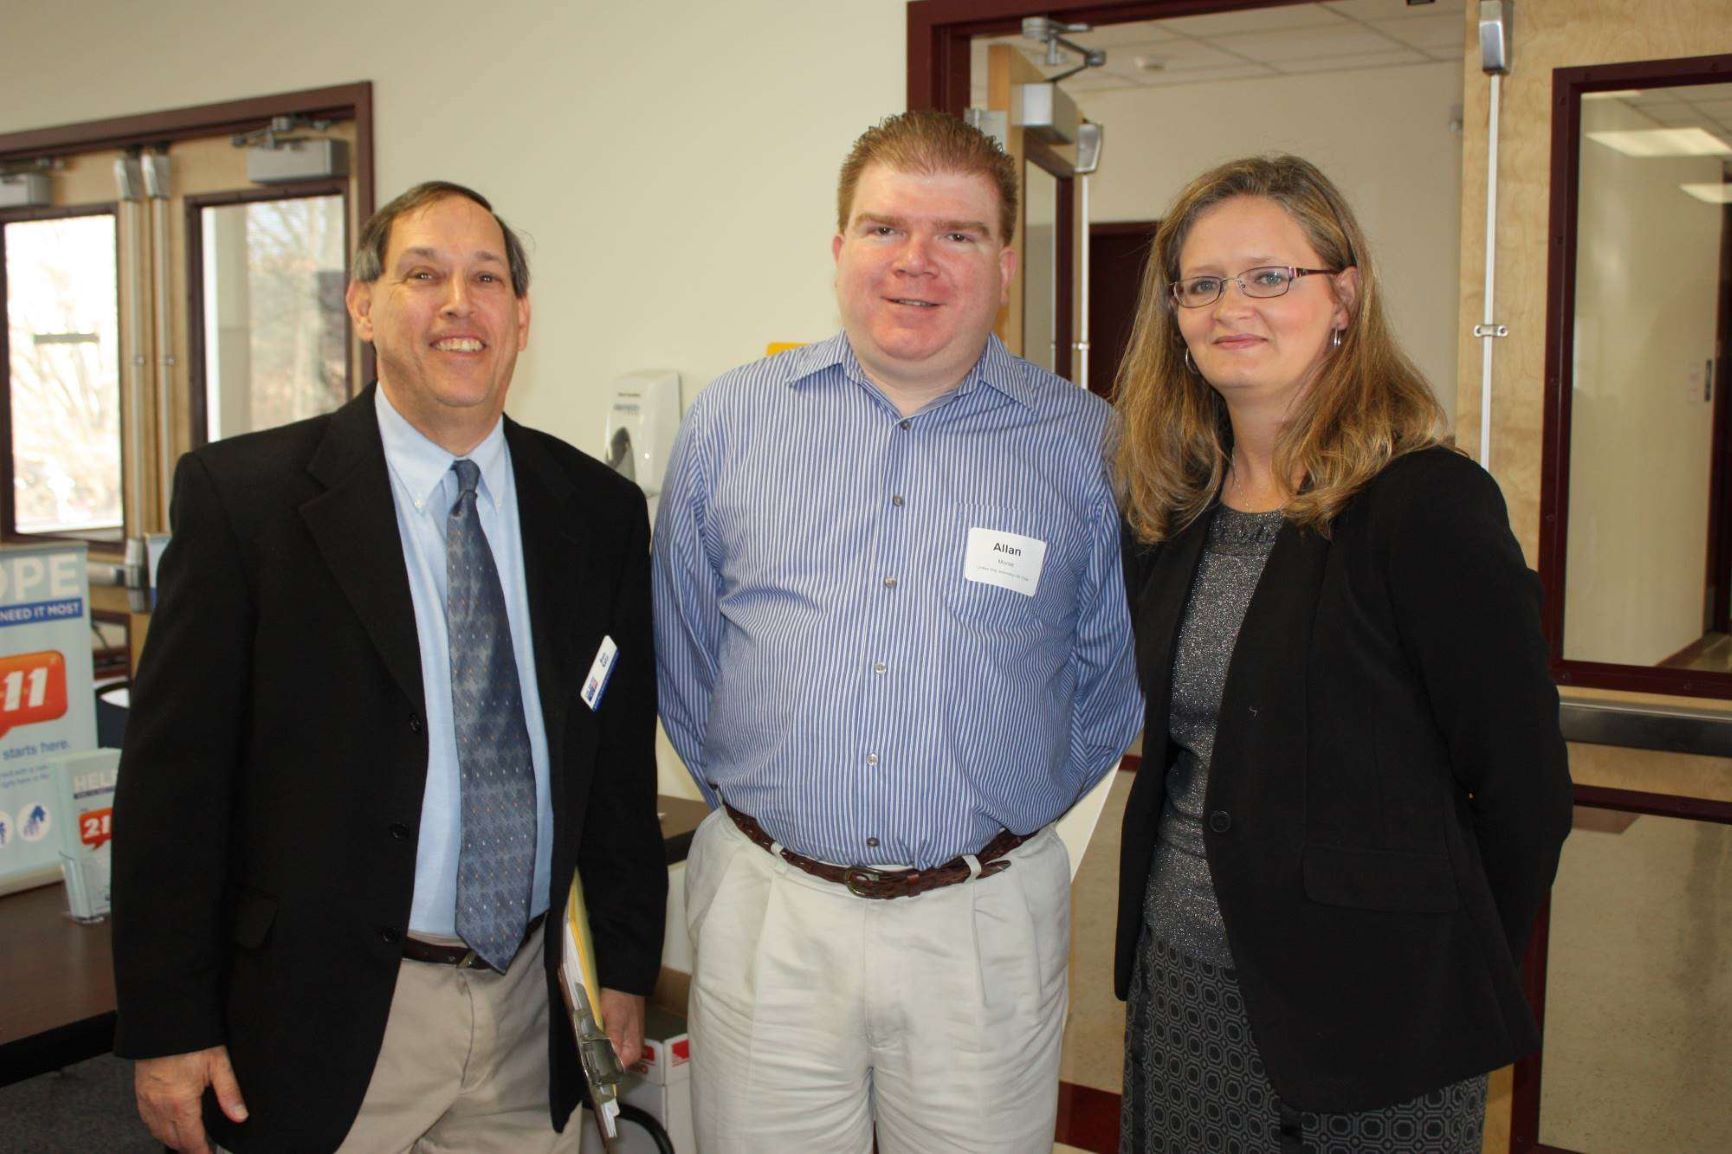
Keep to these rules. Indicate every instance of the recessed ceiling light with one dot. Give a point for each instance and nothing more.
(1712, 193)
(1150, 64)
(1617, 94)
(1646, 142)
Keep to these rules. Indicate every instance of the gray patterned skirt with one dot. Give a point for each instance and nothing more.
(1194, 1082)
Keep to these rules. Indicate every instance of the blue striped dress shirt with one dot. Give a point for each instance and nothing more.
(824, 664)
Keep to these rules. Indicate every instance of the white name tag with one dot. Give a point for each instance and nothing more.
(1008, 560)
(599, 670)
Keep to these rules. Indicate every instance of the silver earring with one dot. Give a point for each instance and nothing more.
(1190, 364)
(1335, 338)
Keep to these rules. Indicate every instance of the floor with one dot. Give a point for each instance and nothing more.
(1639, 989)
(1713, 652)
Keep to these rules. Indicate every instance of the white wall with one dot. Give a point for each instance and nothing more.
(1382, 134)
(673, 163)
(1647, 281)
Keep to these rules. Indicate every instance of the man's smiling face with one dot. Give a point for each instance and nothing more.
(444, 320)
(921, 274)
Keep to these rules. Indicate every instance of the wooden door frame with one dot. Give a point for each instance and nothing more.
(1719, 575)
(338, 102)
(1064, 254)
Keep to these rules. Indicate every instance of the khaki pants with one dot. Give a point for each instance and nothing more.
(463, 1069)
(817, 1017)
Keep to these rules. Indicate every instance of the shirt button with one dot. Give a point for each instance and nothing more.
(871, 759)
(897, 500)
(1220, 821)
(904, 423)
(390, 936)
(873, 842)
(889, 582)
(879, 667)
(400, 831)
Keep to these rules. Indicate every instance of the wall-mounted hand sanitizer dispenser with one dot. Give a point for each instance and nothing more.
(641, 423)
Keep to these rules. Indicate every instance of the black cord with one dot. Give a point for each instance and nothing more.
(647, 1121)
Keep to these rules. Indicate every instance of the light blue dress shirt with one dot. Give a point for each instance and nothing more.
(825, 665)
(424, 488)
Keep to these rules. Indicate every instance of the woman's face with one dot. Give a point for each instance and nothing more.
(1259, 350)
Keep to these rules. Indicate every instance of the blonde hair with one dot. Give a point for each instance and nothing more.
(930, 143)
(1368, 404)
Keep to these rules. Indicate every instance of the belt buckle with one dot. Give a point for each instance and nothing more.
(470, 961)
(858, 878)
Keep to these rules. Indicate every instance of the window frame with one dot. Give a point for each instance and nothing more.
(197, 411)
(9, 531)
(146, 512)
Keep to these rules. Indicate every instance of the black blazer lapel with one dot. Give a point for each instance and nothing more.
(553, 566)
(354, 524)
(1160, 589)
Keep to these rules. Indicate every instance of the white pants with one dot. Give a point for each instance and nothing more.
(816, 1014)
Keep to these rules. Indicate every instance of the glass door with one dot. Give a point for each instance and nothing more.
(158, 297)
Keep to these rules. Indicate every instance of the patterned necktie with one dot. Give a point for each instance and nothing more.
(496, 862)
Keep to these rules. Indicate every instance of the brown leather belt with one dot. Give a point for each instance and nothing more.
(462, 957)
(868, 882)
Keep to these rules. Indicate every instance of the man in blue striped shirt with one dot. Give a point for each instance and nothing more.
(893, 647)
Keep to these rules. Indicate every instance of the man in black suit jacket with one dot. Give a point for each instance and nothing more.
(288, 826)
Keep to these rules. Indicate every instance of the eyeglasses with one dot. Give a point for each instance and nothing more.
(1261, 283)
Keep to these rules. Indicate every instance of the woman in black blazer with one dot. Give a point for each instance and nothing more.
(1353, 789)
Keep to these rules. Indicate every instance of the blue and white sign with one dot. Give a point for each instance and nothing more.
(47, 705)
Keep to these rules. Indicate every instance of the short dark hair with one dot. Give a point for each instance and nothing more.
(930, 143)
(376, 233)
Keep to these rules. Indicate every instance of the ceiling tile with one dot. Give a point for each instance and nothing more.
(1095, 80)
(1374, 10)
(1306, 44)
(1444, 31)
(1673, 115)
(1174, 56)
(1256, 20)
(1392, 58)
(1704, 93)
(1206, 75)
(1718, 109)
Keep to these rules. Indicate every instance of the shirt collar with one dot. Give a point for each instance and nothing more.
(422, 466)
(996, 368)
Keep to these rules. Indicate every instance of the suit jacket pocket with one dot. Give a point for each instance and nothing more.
(254, 915)
(1380, 880)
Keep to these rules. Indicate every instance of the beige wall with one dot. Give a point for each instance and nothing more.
(1383, 134)
(1641, 425)
(1547, 34)
(1552, 34)
(672, 162)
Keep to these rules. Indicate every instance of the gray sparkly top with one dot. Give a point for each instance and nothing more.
(1180, 906)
